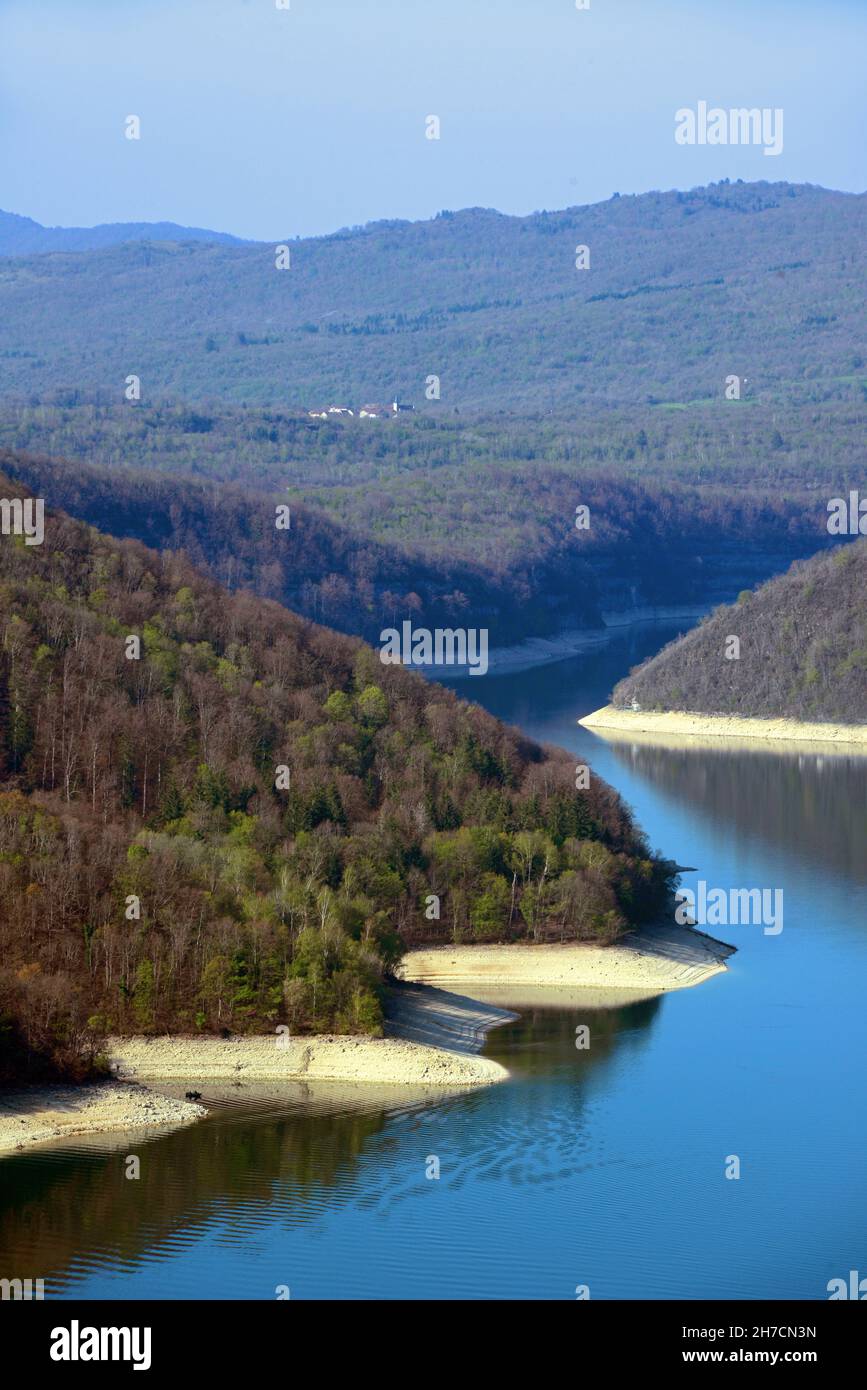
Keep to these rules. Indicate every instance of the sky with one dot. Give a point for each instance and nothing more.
(276, 122)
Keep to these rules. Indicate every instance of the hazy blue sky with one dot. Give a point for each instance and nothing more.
(271, 123)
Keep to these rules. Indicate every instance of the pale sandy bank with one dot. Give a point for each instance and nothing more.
(433, 1037)
(610, 720)
(380, 1061)
(57, 1112)
(643, 964)
(432, 1043)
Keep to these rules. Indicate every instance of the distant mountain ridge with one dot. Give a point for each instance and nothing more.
(471, 310)
(22, 236)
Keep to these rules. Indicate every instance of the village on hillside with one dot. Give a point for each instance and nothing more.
(365, 412)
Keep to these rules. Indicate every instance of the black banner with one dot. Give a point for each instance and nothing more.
(74, 1338)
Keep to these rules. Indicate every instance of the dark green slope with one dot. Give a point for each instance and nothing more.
(803, 650)
(495, 548)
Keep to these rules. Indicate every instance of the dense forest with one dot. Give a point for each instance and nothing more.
(802, 650)
(558, 388)
(751, 444)
(764, 280)
(533, 571)
(215, 814)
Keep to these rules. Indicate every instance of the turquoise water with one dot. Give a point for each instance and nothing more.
(602, 1168)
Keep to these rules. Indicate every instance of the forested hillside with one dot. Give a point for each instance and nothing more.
(803, 650)
(243, 820)
(560, 388)
(495, 547)
(762, 280)
(374, 469)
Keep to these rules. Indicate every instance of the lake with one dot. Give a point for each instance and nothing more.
(602, 1168)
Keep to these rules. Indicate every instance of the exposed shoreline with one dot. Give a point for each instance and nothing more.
(50, 1113)
(433, 1036)
(431, 1046)
(388, 1061)
(852, 738)
(560, 646)
(653, 961)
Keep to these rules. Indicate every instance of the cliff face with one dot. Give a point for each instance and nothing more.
(796, 647)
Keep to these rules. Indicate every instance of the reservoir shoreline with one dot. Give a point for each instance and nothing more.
(433, 1034)
(531, 652)
(852, 738)
(646, 963)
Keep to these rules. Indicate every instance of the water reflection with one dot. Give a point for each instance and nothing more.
(271, 1157)
(811, 805)
(605, 1165)
(61, 1206)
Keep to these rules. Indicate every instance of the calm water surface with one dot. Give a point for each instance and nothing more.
(604, 1167)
